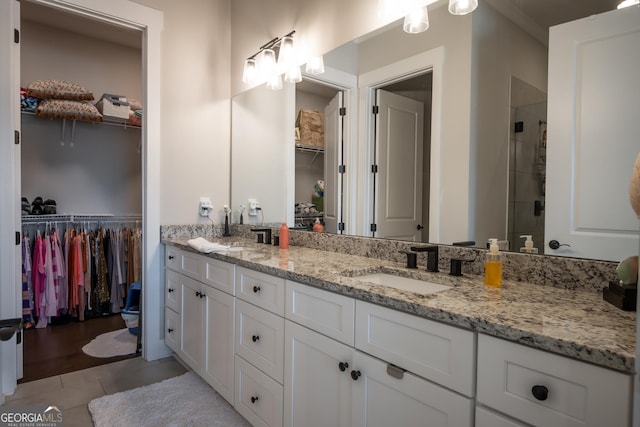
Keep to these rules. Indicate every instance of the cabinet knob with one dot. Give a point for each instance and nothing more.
(255, 338)
(198, 294)
(170, 290)
(171, 257)
(343, 366)
(254, 399)
(256, 289)
(355, 375)
(170, 330)
(540, 392)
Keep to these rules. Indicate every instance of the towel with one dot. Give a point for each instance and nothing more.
(203, 245)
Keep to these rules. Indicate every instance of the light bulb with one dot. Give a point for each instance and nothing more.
(462, 7)
(416, 21)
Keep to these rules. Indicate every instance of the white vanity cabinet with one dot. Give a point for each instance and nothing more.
(328, 381)
(259, 335)
(200, 316)
(545, 389)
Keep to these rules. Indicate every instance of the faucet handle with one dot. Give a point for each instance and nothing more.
(412, 259)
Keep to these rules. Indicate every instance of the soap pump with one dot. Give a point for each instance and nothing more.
(528, 245)
(493, 265)
(226, 221)
(283, 242)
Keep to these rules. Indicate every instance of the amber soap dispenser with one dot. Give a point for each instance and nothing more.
(493, 265)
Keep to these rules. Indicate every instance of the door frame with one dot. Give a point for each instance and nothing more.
(429, 61)
(150, 22)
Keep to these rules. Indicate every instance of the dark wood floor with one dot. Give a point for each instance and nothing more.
(57, 349)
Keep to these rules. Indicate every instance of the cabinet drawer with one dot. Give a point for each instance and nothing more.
(261, 289)
(172, 294)
(577, 393)
(258, 397)
(219, 274)
(325, 312)
(260, 339)
(172, 329)
(438, 352)
(487, 418)
(183, 262)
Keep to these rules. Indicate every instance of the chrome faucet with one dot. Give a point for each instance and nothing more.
(432, 256)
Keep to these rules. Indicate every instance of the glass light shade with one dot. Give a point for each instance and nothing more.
(315, 65)
(267, 63)
(293, 75)
(628, 3)
(286, 55)
(249, 73)
(416, 21)
(275, 82)
(462, 7)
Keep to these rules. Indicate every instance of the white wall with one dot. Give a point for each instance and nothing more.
(195, 108)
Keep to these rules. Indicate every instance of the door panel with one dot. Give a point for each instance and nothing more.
(593, 126)
(398, 206)
(332, 160)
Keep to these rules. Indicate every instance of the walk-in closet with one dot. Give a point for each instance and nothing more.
(81, 190)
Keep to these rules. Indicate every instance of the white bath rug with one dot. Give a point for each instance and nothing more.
(114, 343)
(180, 401)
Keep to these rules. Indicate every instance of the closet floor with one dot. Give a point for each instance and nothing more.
(57, 349)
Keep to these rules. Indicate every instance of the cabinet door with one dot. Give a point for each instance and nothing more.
(191, 322)
(317, 392)
(219, 274)
(381, 399)
(218, 337)
(172, 290)
(172, 329)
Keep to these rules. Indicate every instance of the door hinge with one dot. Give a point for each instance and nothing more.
(342, 169)
(376, 109)
(18, 336)
(342, 111)
(374, 227)
(16, 35)
(17, 238)
(374, 168)
(341, 226)
(16, 137)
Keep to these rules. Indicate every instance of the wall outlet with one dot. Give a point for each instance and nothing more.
(253, 207)
(205, 206)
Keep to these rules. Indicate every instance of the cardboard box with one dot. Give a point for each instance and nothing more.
(114, 108)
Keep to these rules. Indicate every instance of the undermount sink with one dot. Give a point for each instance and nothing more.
(8, 327)
(418, 286)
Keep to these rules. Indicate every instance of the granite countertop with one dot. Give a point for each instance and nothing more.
(577, 324)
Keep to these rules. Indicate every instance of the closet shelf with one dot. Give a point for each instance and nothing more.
(79, 217)
(306, 149)
(122, 125)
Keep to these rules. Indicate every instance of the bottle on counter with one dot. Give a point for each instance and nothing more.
(493, 265)
(284, 236)
(528, 245)
(318, 227)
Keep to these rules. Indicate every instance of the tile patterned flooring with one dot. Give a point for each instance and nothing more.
(74, 390)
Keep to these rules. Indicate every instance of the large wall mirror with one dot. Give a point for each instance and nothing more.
(480, 103)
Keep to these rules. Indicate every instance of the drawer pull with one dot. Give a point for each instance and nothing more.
(254, 399)
(256, 289)
(171, 257)
(343, 366)
(170, 330)
(395, 372)
(540, 392)
(170, 290)
(255, 338)
(355, 375)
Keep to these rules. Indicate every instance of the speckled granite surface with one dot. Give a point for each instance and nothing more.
(574, 323)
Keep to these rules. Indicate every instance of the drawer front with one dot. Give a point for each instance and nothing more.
(440, 353)
(487, 418)
(258, 398)
(172, 294)
(261, 289)
(172, 329)
(567, 392)
(260, 339)
(219, 274)
(183, 262)
(325, 312)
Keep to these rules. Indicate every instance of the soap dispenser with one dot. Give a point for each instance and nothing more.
(284, 236)
(528, 245)
(318, 227)
(493, 265)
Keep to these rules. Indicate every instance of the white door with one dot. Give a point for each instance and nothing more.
(398, 182)
(317, 388)
(217, 368)
(593, 125)
(333, 127)
(191, 322)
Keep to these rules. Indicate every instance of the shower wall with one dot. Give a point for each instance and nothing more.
(527, 164)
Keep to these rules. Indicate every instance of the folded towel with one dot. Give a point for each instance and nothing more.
(203, 245)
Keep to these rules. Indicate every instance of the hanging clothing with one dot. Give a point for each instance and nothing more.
(102, 284)
(27, 288)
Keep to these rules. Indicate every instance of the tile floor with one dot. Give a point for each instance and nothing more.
(74, 390)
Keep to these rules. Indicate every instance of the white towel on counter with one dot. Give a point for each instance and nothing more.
(203, 245)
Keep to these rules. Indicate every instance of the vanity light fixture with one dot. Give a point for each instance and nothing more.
(416, 21)
(628, 3)
(275, 81)
(462, 7)
(249, 72)
(293, 74)
(416, 15)
(315, 65)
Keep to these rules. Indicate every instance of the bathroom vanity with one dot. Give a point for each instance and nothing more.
(299, 337)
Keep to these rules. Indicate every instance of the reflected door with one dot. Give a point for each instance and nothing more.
(333, 127)
(594, 65)
(398, 181)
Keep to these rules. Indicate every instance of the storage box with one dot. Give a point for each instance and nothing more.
(114, 108)
(311, 128)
